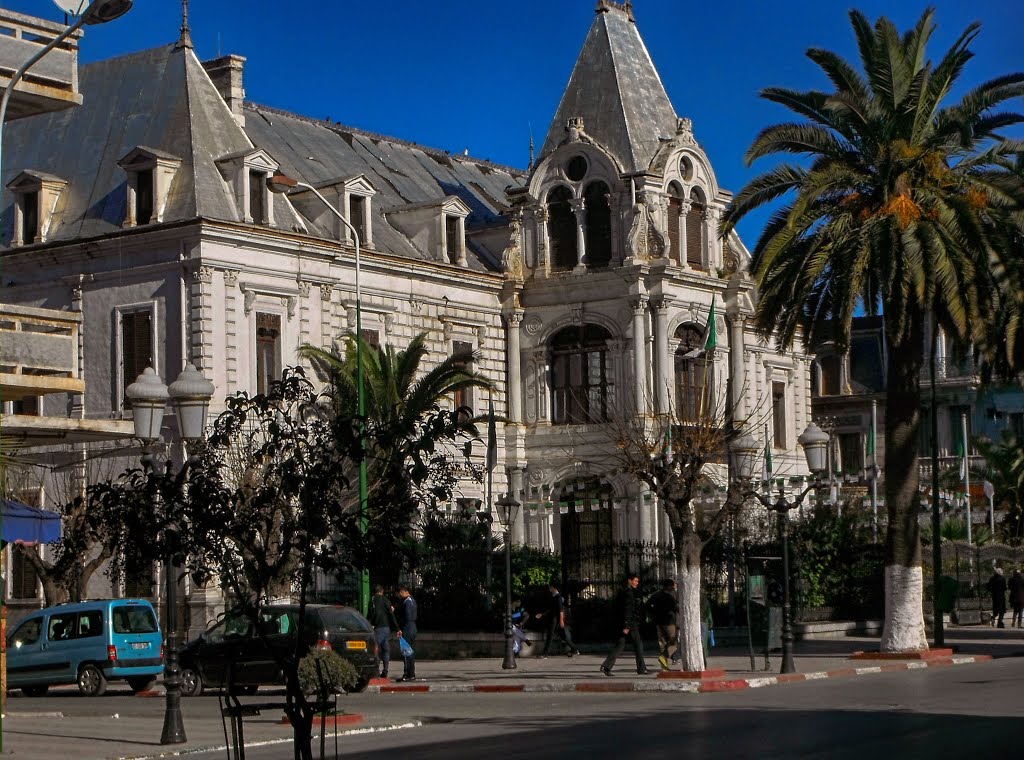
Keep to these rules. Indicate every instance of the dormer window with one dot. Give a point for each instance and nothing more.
(357, 196)
(247, 171)
(150, 173)
(35, 202)
(453, 231)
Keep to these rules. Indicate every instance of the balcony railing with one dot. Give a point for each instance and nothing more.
(52, 83)
(39, 352)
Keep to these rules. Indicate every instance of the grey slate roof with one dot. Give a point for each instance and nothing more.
(163, 100)
(403, 173)
(616, 89)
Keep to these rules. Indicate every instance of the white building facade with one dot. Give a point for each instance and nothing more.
(582, 283)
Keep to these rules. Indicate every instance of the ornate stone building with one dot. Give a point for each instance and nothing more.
(583, 283)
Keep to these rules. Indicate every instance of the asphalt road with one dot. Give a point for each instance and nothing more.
(958, 712)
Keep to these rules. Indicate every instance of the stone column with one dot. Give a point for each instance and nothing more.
(663, 375)
(645, 510)
(711, 217)
(515, 380)
(684, 209)
(737, 371)
(579, 207)
(640, 354)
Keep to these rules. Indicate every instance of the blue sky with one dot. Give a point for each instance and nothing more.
(457, 74)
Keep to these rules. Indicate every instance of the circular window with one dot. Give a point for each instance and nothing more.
(576, 169)
(686, 168)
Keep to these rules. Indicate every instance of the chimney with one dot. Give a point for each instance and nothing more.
(226, 74)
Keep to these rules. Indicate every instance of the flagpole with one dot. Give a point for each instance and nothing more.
(967, 473)
(874, 468)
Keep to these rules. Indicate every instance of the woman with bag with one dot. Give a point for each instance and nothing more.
(407, 636)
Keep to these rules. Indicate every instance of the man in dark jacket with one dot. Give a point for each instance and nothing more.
(382, 618)
(664, 608)
(1016, 585)
(407, 615)
(556, 624)
(630, 618)
(997, 587)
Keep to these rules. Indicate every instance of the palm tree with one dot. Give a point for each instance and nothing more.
(907, 207)
(400, 399)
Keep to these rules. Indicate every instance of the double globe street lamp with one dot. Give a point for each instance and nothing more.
(190, 396)
(746, 452)
(508, 508)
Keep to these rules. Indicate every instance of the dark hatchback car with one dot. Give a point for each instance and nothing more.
(235, 644)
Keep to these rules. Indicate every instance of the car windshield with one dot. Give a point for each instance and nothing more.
(341, 620)
(134, 620)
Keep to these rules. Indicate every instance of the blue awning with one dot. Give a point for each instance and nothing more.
(29, 524)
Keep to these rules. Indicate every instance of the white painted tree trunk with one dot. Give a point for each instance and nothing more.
(691, 641)
(904, 616)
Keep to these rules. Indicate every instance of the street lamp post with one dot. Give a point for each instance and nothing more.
(507, 510)
(190, 395)
(282, 184)
(745, 455)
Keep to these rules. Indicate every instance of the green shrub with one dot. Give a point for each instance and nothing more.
(323, 672)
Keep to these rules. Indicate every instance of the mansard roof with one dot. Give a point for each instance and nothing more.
(162, 102)
(617, 91)
(402, 172)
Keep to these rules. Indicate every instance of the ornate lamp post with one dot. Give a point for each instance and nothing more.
(283, 184)
(507, 510)
(745, 454)
(190, 395)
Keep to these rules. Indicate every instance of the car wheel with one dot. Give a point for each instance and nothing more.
(191, 683)
(142, 683)
(91, 681)
(35, 691)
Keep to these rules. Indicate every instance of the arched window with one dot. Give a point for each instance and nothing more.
(562, 229)
(599, 225)
(581, 382)
(695, 375)
(675, 212)
(695, 232)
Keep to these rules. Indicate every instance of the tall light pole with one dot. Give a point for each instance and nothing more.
(282, 183)
(745, 455)
(507, 509)
(190, 395)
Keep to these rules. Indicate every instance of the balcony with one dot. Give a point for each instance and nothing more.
(52, 83)
(38, 352)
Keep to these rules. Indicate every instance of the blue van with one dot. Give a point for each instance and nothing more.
(88, 643)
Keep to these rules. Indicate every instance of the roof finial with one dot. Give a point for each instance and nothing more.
(185, 40)
(531, 145)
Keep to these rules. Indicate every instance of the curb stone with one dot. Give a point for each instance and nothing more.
(594, 686)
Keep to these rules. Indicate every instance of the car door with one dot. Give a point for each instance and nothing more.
(225, 647)
(60, 647)
(25, 664)
(274, 639)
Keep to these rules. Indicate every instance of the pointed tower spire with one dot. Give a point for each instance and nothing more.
(531, 147)
(616, 91)
(185, 40)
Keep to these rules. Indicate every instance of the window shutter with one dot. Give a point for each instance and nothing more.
(675, 210)
(695, 237)
(136, 344)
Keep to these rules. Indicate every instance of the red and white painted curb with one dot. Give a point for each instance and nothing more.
(672, 685)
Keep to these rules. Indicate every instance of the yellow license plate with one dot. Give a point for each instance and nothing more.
(355, 645)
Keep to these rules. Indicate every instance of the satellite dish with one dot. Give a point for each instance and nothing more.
(72, 7)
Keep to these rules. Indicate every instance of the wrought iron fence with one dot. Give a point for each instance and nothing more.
(971, 566)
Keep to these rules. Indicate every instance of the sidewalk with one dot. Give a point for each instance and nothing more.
(90, 730)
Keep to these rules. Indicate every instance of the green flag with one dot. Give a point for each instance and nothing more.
(711, 331)
(767, 455)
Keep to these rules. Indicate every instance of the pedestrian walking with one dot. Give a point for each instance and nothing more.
(382, 618)
(407, 621)
(1016, 585)
(519, 618)
(997, 587)
(629, 618)
(664, 607)
(555, 622)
